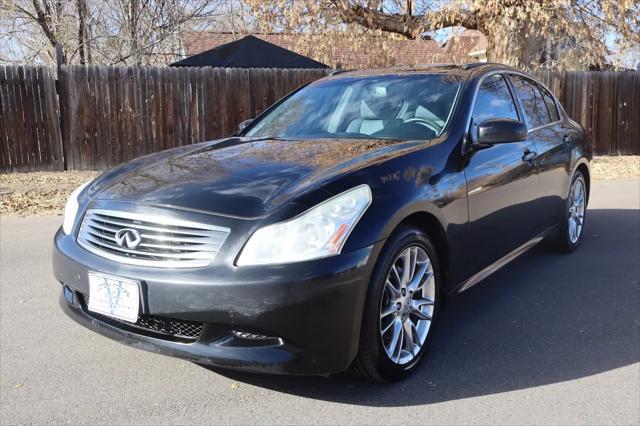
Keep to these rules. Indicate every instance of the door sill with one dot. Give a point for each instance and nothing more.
(484, 273)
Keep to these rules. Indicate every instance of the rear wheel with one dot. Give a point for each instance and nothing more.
(401, 308)
(573, 219)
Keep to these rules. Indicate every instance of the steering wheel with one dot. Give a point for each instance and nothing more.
(423, 122)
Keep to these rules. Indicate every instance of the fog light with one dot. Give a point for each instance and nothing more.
(68, 294)
(244, 334)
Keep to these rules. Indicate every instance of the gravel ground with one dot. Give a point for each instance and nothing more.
(616, 167)
(38, 193)
(45, 193)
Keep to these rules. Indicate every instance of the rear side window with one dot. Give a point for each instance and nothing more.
(532, 101)
(551, 105)
(494, 100)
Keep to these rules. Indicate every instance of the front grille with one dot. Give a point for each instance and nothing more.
(165, 241)
(153, 325)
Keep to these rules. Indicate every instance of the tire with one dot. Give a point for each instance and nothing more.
(565, 241)
(373, 361)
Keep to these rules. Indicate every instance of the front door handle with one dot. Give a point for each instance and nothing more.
(529, 156)
(566, 139)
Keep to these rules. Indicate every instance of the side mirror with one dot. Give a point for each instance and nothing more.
(501, 130)
(244, 124)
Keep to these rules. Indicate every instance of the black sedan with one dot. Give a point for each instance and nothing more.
(326, 233)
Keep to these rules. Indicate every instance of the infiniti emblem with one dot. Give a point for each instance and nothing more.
(129, 238)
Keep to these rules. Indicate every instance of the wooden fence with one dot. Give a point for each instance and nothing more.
(29, 120)
(104, 116)
(113, 114)
(605, 103)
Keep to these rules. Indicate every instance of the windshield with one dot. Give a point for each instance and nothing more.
(415, 106)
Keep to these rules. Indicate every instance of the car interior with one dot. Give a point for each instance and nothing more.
(395, 110)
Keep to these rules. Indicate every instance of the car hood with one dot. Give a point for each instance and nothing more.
(239, 177)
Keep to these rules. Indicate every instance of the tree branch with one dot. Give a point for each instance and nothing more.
(410, 26)
(43, 21)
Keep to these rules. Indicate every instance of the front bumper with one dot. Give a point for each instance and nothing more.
(312, 310)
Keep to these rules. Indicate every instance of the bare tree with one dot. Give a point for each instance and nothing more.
(36, 25)
(84, 47)
(105, 31)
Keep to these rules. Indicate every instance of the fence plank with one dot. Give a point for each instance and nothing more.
(5, 122)
(10, 121)
(42, 161)
(114, 125)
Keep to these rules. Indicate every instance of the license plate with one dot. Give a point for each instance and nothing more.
(113, 296)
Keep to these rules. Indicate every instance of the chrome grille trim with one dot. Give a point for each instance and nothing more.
(166, 242)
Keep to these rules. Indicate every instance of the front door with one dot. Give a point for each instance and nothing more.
(502, 183)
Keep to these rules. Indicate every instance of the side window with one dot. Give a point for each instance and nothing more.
(551, 105)
(494, 100)
(532, 101)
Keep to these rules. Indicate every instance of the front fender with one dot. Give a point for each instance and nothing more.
(420, 194)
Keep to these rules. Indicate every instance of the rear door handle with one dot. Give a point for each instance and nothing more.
(529, 156)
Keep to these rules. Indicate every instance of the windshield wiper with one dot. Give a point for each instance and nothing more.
(264, 138)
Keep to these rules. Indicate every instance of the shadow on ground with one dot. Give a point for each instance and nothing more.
(546, 318)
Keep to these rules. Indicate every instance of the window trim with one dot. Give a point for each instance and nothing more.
(542, 86)
(548, 92)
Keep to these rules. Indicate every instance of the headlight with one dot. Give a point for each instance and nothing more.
(71, 209)
(318, 232)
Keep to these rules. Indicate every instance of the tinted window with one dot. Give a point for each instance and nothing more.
(494, 100)
(551, 105)
(532, 101)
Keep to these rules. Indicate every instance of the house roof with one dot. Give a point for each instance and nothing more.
(342, 53)
(461, 46)
(249, 52)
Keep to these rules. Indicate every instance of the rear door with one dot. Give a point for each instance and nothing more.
(502, 184)
(553, 147)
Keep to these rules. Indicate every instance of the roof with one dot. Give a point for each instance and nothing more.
(450, 68)
(444, 67)
(249, 52)
(342, 53)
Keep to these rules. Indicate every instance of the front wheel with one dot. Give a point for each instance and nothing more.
(573, 219)
(401, 308)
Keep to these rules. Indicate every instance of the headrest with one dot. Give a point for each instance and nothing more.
(422, 112)
(366, 112)
(377, 109)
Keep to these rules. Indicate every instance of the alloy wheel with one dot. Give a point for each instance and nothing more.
(575, 218)
(407, 304)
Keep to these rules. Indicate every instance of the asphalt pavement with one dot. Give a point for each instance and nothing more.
(549, 339)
